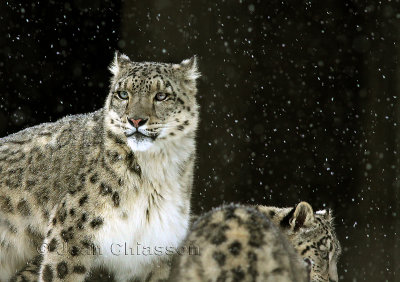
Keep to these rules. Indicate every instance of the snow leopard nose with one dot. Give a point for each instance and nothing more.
(137, 122)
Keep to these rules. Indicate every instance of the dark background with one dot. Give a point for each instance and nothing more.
(299, 99)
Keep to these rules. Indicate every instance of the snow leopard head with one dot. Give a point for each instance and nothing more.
(150, 103)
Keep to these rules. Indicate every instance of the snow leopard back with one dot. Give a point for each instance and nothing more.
(237, 243)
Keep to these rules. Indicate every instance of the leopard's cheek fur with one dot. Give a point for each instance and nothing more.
(320, 263)
(182, 117)
(164, 110)
(118, 106)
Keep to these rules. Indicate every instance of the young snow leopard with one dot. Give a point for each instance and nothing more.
(94, 190)
(313, 236)
(246, 243)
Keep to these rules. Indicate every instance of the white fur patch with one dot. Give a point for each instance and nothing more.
(122, 241)
(130, 246)
(137, 145)
(321, 212)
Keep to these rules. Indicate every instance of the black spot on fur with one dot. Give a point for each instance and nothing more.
(305, 250)
(83, 200)
(238, 273)
(230, 213)
(235, 248)
(219, 258)
(62, 215)
(219, 237)
(96, 223)
(62, 270)
(53, 245)
(48, 273)
(271, 214)
(79, 269)
(84, 217)
(94, 178)
(37, 261)
(54, 221)
(67, 235)
(82, 220)
(180, 101)
(74, 251)
(23, 208)
(115, 198)
(72, 191)
(5, 204)
(105, 189)
(86, 243)
(72, 212)
(82, 178)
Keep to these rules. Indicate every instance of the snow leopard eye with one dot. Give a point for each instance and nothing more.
(161, 96)
(123, 95)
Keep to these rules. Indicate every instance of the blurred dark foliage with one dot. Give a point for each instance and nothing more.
(299, 98)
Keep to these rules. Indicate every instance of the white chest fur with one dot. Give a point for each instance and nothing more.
(139, 233)
(129, 246)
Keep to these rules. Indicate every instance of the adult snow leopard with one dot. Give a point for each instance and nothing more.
(97, 189)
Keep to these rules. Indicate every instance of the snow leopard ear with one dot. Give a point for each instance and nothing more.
(118, 62)
(189, 69)
(303, 216)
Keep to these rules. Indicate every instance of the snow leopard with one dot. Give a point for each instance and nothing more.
(101, 189)
(313, 236)
(259, 243)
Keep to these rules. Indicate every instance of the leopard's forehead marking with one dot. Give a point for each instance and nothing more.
(146, 69)
(150, 76)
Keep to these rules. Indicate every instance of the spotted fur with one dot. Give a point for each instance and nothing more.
(78, 189)
(237, 243)
(260, 243)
